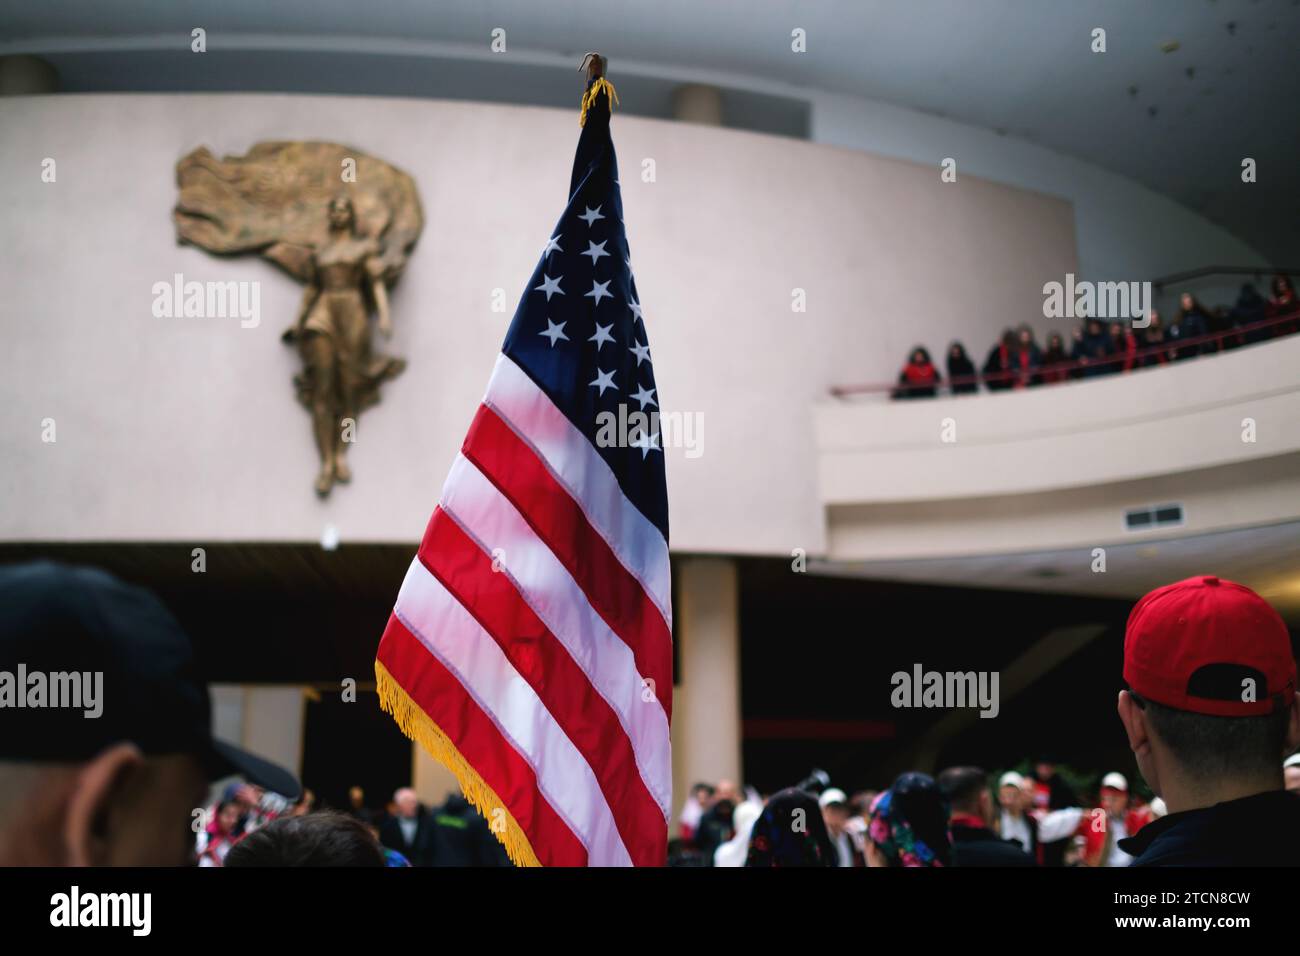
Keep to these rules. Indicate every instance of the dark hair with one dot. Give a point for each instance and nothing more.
(962, 786)
(317, 839)
(1207, 746)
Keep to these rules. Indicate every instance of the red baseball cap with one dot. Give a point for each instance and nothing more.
(1200, 645)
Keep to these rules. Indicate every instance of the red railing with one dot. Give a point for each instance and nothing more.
(1111, 364)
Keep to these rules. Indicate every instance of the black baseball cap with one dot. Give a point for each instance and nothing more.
(75, 641)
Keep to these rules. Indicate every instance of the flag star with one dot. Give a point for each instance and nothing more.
(641, 352)
(595, 251)
(646, 443)
(553, 244)
(554, 332)
(550, 286)
(644, 397)
(599, 290)
(602, 335)
(591, 215)
(635, 307)
(603, 381)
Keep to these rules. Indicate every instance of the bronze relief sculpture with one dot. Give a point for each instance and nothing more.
(341, 222)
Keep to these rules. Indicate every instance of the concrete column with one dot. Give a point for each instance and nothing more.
(432, 782)
(27, 76)
(706, 701)
(273, 724)
(265, 719)
(696, 103)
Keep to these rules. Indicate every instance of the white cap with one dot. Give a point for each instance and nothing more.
(1011, 779)
(833, 795)
(1115, 781)
(1291, 761)
(1158, 808)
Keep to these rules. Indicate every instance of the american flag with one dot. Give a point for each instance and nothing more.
(530, 647)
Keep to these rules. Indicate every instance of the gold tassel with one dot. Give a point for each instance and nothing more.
(415, 723)
(590, 97)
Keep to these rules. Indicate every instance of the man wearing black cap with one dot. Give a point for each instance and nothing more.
(105, 732)
(1210, 711)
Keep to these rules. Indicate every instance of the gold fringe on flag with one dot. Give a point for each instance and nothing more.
(590, 97)
(415, 723)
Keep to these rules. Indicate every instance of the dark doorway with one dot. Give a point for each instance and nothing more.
(353, 744)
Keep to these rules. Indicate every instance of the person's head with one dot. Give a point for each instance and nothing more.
(726, 791)
(1055, 343)
(317, 839)
(342, 215)
(1187, 301)
(1291, 773)
(1114, 794)
(1094, 327)
(791, 832)
(703, 793)
(305, 805)
(1030, 789)
(835, 810)
(1211, 705)
(1025, 336)
(407, 802)
(920, 356)
(1281, 286)
(116, 771)
(356, 798)
(1009, 339)
(227, 817)
(967, 792)
(1044, 770)
(908, 825)
(957, 351)
(860, 803)
(1011, 792)
(246, 795)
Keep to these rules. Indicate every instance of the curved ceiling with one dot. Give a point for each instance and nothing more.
(1184, 92)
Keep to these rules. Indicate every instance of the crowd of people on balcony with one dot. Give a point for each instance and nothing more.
(1095, 348)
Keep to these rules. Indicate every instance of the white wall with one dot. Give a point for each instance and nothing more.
(1125, 231)
(187, 429)
(1046, 467)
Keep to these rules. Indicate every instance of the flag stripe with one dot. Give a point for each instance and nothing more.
(452, 634)
(440, 695)
(467, 573)
(610, 665)
(611, 590)
(580, 470)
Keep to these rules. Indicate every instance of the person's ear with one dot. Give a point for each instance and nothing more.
(1293, 727)
(1135, 724)
(86, 820)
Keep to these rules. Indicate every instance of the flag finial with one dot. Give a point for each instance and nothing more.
(595, 65)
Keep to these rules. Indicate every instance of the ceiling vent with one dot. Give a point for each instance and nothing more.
(1153, 516)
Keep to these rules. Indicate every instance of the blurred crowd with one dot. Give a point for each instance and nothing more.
(1094, 348)
(963, 817)
(404, 832)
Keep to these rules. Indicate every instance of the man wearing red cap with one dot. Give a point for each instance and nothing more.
(1211, 709)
